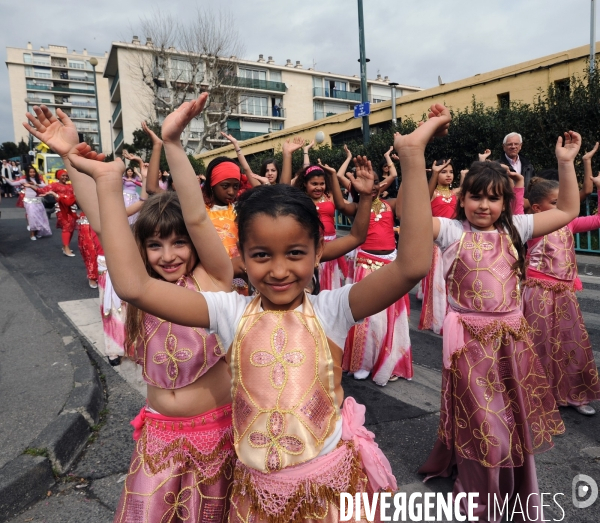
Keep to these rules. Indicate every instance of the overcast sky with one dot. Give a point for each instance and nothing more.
(412, 42)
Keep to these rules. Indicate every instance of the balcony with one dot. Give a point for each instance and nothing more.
(261, 112)
(244, 135)
(335, 93)
(118, 140)
(251, 83)
(113, 86)
(59, 89)
(322, 114)
(36, 100)
(64, 75)
(81, 104)
(116, 112)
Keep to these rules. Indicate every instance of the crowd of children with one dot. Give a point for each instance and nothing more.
(243, 309)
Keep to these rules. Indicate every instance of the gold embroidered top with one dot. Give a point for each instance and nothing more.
(286, 387)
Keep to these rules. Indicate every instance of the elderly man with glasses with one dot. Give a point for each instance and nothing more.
(512, 147)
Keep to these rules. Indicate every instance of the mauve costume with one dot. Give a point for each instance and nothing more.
(551, 308)
(497, 408)
(182, 468)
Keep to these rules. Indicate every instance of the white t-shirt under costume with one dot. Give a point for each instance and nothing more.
(332, 308)
(451, 230)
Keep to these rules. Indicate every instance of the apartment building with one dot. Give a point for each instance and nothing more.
(57, 78)
(271, 97)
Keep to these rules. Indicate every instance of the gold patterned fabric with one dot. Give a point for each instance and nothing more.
(554, 255)
(284, 395)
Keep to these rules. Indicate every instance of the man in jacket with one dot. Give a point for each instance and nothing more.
(512, 144)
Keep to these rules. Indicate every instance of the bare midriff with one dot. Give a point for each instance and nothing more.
(208, 392)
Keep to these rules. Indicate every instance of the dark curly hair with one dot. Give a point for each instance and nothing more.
(302, 178)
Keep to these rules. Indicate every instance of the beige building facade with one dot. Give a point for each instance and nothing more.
(519, 82)
(54, 77)
(272, 97)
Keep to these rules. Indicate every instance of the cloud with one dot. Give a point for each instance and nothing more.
(410, 42)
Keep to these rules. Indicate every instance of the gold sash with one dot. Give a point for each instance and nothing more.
(285, 402)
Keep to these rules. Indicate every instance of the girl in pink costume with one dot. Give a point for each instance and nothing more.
(381, 344)
(497, 408)
(297, 447)
(551, 308)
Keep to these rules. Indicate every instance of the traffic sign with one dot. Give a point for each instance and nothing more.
(363, 109)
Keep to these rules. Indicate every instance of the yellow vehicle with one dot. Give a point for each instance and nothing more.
(47, 164)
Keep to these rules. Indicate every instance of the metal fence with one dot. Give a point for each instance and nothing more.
(588, 242)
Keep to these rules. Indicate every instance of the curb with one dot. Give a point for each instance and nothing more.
(25, 479)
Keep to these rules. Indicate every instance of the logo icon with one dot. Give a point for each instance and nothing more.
(585, 491)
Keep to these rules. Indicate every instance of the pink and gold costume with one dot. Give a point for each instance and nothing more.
(331, 273)
(182, 468)
(434, 307)
(381, 344)
(551, 308)
(286, 408)
(497, 409)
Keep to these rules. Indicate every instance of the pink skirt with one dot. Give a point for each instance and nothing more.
(434, 298)
(181, 469)
(113, 312)
(561, 341)
(332, 273)
(381, 343)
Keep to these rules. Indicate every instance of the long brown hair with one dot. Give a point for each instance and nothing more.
(490, 179)
(160, 216)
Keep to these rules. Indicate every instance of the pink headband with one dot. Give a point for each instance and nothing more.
(313, 168)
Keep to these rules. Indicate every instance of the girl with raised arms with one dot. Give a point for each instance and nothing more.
(290, 428)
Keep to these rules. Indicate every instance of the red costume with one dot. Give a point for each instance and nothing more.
(87, 247)
(66, 218)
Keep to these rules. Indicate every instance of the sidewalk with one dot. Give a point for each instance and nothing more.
(50, 396)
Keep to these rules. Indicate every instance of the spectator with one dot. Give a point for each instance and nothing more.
(6, 176)
(512, 144)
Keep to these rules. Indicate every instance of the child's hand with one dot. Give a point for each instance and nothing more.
(309, 146)
(567, 151)
(347, 151)
(590, 154)
(596, 180)
(61, 135)
(415, 142)
(233, 141)
(132, 157)
(388, 152)
(86, 161)
(437, 169)
(155, 139)
(363, 176)
(463, 173)
(291, 146)
(485, 155)
(517, 179)
(326, 168)
(177, 121)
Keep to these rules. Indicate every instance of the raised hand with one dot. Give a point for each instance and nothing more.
(291, 146)
(415, 142)
(60, 134)
(347, 151)
(567, 146)
(233, 141)
(484, 155)
(177, 121)
(589, 154)
(388, 152)
(155, 139)
(326, 168)
(308, 147)
(132, 157)
(363, 176)
(596, 181)
(437, 169)
(82, 158)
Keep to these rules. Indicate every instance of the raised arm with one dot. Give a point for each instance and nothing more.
(388, 284)
(388, 180)
(484, 155)
(205, 238)
(567, 206)
(349, 209)
(588, 185)
(341, 173)
(288, 148)
(362, 182)
(128, 273)
(60, 134)
(305, 155)
(252, 178)
(152, 186)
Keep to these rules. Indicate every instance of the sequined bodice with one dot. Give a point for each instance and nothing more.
(554, 255)
(481, 278)
(284, 390)
(173, 356)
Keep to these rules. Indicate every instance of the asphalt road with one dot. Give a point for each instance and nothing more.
(403, 415)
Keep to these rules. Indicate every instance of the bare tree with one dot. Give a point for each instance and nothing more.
(182, 60)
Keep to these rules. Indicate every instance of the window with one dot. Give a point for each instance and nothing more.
(41, 59)
(181, 70)
(337, 85)
(253, 74)
(40, 72)
(275, 76)
(76, 64)
(504, 100)
(255, 105)
(27, 58)
(28, 70)
(563, 87)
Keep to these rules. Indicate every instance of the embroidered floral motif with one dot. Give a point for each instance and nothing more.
(172, 356)
(178, 507)
(276, 441)
(316, 408)
(483, 433)
(278, 357)
(478, 293)
(478, 245)
(491, 384)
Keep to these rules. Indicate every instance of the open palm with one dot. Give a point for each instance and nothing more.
(362, 179)
(177, 121)
(60, 135)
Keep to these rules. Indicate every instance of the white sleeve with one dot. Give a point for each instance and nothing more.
(524, 224)
(450, 232)
(225, 310)
(333, 310)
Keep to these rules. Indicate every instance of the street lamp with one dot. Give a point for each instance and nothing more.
(94, 62)
(30, 141)
(363, 70)
(393, 86)
(592, 37)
